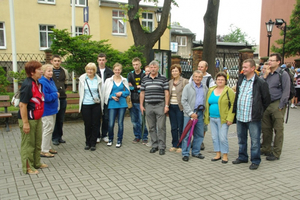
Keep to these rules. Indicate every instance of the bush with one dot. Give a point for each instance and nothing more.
(3, 81)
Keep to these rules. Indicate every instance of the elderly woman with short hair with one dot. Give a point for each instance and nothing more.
(218, 112)
(29, 117)
(90, 98)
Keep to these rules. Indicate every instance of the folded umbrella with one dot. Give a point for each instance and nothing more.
(185, 131)
(192, 131)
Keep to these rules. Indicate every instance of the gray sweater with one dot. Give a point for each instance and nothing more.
(189, 98)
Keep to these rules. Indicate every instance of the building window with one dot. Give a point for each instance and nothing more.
(79, 2)
(147, 21)
(181, 40)
(45, 40)
(78, 30)
(47, 1)
(2, 36)
(119, 26)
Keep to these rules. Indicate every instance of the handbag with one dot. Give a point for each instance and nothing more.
(128, 99)
(96, 99)
(229, 106)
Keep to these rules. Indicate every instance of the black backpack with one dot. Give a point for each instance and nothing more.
(292, 88)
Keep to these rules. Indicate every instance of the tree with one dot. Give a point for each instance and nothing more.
(144, 38)
(292, 41)
(210, 32)
(235, 35)
(80, 50)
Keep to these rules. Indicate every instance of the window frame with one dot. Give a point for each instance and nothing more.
(77, 32)
(180, 44)
(119, 19)
(4, 35)
(77, 4)
(46, 2)
(147, 20)
(47, 34)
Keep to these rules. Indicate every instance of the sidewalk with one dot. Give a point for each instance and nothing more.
(131, 172)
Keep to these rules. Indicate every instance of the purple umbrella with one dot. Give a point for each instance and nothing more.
(192, 130)
(185, 131)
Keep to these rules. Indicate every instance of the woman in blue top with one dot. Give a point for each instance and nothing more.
(218, 111)
(115, 91)
(89, 88)
(50, 110)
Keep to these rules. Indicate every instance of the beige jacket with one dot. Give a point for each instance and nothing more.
(179, 88)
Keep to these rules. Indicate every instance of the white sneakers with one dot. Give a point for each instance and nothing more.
(105, 139)
(98, 140)
(109, 143)
(118, 145)
(293, 106)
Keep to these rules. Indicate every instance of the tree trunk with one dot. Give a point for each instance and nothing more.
(142, 38)
(210, 35)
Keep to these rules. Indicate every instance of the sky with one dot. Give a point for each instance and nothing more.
(244, 14)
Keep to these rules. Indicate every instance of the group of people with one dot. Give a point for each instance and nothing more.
(258, 107)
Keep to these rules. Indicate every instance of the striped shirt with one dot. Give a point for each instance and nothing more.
(245, 100)
(56, 72)
(154, 88)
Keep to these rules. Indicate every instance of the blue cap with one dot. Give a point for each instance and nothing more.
(225, 68)
(283, 66)
(292, 67)
(298, 70)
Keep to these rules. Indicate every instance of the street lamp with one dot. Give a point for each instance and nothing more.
(279, 24)
(158, 18)
(269, 26)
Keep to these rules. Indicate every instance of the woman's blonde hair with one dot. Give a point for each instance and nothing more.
(117, 65)
(91, 66)
(45, 66)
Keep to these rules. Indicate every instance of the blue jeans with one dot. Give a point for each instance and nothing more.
(136, 119)
(219, 135)
(112, 114)
(60, 116)
(176, 121)
(198, 136)
(254, 131)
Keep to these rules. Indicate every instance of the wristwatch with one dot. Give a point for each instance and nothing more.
(167, 106)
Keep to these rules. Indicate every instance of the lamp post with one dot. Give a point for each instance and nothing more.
(278, 24)
(158, 18)
(269, 26)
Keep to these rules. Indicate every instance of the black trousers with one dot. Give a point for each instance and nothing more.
(91, 117)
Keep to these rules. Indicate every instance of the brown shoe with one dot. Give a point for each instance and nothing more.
(30, 172)
(43, 166)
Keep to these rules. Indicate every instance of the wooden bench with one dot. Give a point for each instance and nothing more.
(5, 102)
(72, 99)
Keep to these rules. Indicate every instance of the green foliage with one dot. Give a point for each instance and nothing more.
(80, 50)
(3, 81)
(19, 76)
(235, 35)
(292, 41)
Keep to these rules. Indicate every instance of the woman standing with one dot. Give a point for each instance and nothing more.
(50, 110)
(29, 117)
(176, 85)
(218, 112)
(115, 91)
(90, 85)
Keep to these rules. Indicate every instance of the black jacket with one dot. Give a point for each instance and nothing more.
(261, 97)
(134, 91)
(107, 73)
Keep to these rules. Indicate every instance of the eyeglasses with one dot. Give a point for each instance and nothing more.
(273, 60)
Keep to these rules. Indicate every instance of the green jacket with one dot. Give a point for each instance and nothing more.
(225, 113)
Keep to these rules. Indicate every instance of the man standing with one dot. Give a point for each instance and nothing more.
(103, 72)
(206, 80)
(252, 98)
(134, 80)
(155, 92)
(193, 101)
(60, 78)
(273, 119)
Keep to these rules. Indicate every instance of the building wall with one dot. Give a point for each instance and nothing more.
(30, 14)
(272, 9)
(184, 51)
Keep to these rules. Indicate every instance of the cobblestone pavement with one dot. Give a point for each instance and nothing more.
(131, 172)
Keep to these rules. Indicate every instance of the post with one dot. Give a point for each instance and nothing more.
(284, 33)
(73, 35)
(13, 42)
(269, 36)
